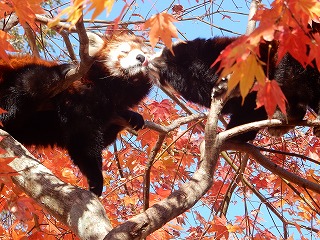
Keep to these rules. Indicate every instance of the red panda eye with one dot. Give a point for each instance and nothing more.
(125, 52)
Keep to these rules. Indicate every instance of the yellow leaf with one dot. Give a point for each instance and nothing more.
(53, 22)
(234, 76)
(251, 70)
(309, 7)
(244, 72)
(130, 200)
(74, 12)
(233, 228)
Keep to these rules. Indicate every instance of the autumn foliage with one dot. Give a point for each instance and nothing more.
(250, 197)
(290, 24)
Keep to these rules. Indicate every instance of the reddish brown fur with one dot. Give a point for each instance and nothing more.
(86, 117)
(23, 60)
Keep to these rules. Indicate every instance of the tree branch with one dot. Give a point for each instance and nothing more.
(263, 161)
(183, 199)
(85, 62)
(256, 192)
(232, 132)
(9, 22)
(65, 35)
(175, 124)
(146, 177)
(31, 40)
(77, 208)
(252, 23)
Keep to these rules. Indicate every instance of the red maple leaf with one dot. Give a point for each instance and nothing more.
(270, 96)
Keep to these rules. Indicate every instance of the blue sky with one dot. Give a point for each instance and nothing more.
(194, 28)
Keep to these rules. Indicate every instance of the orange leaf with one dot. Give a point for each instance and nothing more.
(5, 46)
(270, 96)
(130, 200)
(219, 225)
(5, 168)
(234, 228)
(314, 53)
(240, 61)
(161, 27)
(4, 9)
(99, 6)
(27, 10)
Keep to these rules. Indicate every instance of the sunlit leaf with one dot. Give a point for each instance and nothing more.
(270, 96)
(99, 6)
(161, 27)
(74, 12)
(27, 10)
(5, 46)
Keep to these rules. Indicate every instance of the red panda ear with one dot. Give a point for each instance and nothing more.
(96, 43)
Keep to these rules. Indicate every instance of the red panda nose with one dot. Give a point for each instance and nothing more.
(141, 58)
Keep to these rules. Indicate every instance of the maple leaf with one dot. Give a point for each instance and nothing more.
(161, 27)
(233, 228)
(5, 46)
(163, 192)
(309, 7)
(74, 12)
(245, 73)
(5, 168)
(163, 110)
(99, 6)
(270, 96)
(4, 9)
(219, 225)
(294, 42)
(240, 62)
(27, 10)
(314, 53)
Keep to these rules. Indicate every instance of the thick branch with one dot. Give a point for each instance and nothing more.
(183, 199)
(252, 23)
(262, 124)
(77, 208)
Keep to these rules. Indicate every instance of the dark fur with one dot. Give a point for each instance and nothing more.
(189, 73)
(84, 119)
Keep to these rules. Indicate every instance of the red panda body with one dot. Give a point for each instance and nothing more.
(86, 117)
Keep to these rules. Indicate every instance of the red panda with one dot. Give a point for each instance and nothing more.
(189, 71)
(86, 117)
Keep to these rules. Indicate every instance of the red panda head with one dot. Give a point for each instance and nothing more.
(125, 56)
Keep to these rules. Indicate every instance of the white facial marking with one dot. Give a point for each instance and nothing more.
(124, 47)
(128, 58)
(131, 59)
